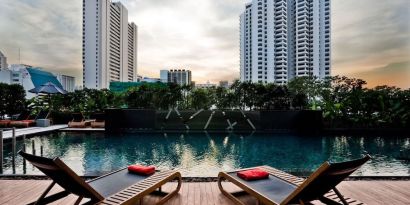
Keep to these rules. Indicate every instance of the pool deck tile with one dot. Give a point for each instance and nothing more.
(207, 193)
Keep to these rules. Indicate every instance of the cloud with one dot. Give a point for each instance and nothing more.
(48, 33)
(395, 74)
(197, 35)
(367, 36)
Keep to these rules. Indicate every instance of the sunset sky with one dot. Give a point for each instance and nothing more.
(370, 38)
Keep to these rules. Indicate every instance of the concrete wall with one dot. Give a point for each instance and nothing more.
(304, 121)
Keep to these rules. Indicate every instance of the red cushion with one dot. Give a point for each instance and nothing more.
(143, 170)
(5, 122)
(253, 174)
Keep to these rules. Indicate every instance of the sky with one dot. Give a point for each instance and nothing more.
(370, 38)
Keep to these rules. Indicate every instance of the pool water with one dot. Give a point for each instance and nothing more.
(207, 154)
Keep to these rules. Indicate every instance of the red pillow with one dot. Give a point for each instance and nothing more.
(143, 170)
(253, 174)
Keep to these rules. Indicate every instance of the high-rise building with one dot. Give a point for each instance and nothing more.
(109, 44)
(3, 61)
(181, 77)
(283, 39)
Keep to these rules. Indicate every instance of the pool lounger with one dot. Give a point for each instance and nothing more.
(24, 115)
(118, 187)
(79, 121)
(99, 121)
(43, 114)
(284, 188)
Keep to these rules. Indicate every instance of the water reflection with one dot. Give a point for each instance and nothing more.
(207, 154)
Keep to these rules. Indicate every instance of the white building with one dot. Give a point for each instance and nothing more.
(283, 39)
(3, 61)
(109, 44)
(206, 85)
(68, 82)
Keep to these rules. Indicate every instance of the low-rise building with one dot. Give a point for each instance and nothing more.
(30, 77)
(224, 84)
(150, 80)
(206, 85)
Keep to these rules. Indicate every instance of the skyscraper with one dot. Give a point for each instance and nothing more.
(283, 39)
(109, 44)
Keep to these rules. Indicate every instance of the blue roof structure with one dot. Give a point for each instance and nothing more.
(40, 77)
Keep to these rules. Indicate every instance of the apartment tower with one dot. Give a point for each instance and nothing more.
(109, 44)
(283, 39)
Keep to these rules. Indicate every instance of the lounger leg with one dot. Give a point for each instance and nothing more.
(78, 200)
(171, 194)
(54, 197)
(340, 196)
(227, 194)
(44, 194)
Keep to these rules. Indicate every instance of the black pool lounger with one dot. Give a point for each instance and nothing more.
(284, 188)
(118, 187)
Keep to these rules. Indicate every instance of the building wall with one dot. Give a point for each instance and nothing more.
(68, 82)
(283, 39)
(164, 76)
(5, 76)
(109, 44)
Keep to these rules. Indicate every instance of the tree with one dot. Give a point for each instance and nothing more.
(201, 99)
(12, 99)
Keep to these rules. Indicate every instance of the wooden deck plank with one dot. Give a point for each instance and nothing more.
(380, 192)
(190, 192)
(32, 130)
(196, 193)
(370, 192)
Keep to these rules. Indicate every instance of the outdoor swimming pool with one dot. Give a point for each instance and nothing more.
(207, 154)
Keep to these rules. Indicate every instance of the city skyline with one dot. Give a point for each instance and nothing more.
(369, 38)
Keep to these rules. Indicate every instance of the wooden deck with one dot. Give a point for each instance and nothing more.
(87, 129)
(16, 192)
(31, 131)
